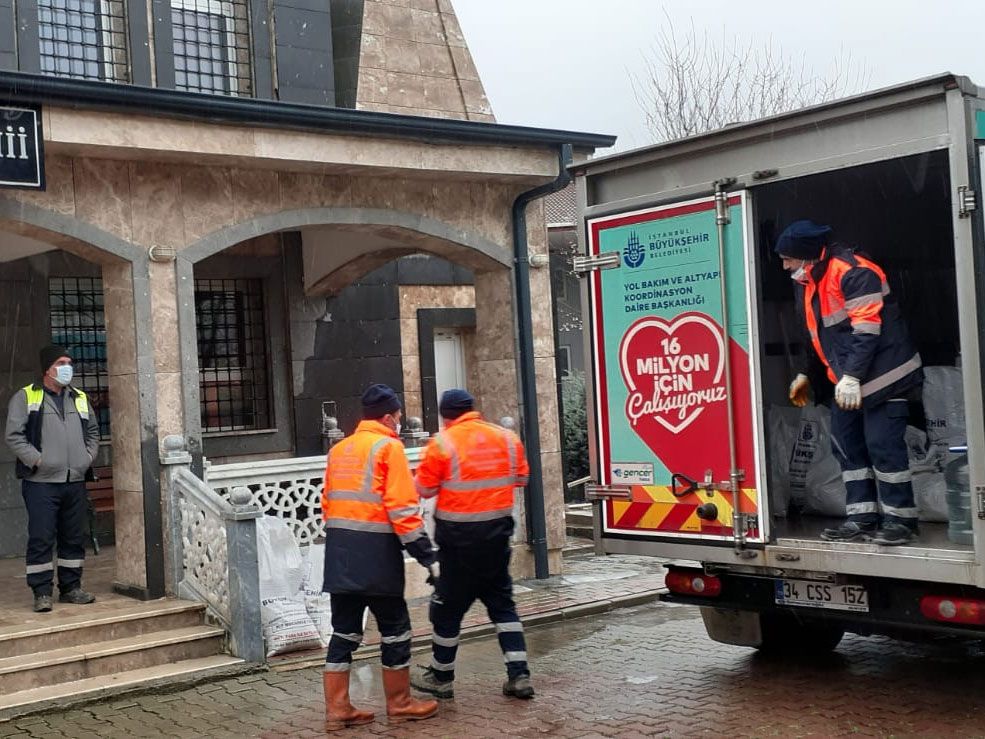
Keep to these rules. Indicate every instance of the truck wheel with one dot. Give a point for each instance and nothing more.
(784, 633)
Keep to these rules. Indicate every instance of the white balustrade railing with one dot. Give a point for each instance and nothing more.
(214, 550)
(287, 488)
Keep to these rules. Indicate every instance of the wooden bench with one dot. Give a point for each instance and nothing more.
(100, 500)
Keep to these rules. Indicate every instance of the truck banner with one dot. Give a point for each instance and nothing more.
(659, 353)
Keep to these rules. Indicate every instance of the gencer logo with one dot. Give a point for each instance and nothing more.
(634, 253)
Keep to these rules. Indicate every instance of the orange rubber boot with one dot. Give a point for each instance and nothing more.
(399, 705)
(339, 712)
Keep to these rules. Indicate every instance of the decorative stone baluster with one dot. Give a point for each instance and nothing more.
(246, 632)
(174, 454)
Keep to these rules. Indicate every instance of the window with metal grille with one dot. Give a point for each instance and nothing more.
(232, 355)
(212, 46)
(78, 323)
(85, 39)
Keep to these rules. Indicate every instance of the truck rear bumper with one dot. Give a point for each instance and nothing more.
(896, 607)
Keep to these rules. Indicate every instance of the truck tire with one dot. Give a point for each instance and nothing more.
(786, 634)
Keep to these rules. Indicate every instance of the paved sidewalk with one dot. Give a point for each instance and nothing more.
(590, 585)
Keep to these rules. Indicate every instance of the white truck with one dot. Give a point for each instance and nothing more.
(692, 339)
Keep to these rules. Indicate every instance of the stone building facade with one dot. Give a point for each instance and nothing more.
(226, 257)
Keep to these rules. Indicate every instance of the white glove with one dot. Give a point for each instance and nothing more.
(799, 389)
(434, 569)
(848, 393)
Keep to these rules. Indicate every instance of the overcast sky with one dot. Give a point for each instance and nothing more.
(567, 63)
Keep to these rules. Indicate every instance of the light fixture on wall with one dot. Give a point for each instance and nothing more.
(537, 261)
(159, 253)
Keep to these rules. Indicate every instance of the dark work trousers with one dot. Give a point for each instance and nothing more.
(56, 515)
(481, 572)
(392, 618)
(870, 447)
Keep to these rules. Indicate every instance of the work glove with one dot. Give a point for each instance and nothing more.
(799, 389)
(848, 393)
(434, 574)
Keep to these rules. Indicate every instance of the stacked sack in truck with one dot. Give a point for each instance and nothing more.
(943, 405)
(804, 474)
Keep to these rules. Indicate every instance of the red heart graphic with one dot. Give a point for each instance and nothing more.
(675, 374)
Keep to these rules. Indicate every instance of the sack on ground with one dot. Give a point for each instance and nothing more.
(317, 603)
(287, 627)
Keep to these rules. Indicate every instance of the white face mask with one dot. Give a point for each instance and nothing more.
(397, 429)
(800, 274)
(63, 374)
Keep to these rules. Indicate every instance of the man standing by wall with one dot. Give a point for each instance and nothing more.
(473, 467)
(54, 435)
(860, 337)
(370, 510)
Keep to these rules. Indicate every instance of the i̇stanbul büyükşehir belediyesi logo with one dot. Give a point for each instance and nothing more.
(634, 253)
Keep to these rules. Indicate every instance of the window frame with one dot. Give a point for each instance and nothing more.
(225, 11)
(248, 362)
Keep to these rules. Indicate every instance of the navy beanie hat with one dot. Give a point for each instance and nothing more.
(454, 403)
(51, 354)
(378, 401)
(802, 240)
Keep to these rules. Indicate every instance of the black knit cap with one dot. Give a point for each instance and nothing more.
(379, 400)
(454, 403)
(803, 240)
(51, 354)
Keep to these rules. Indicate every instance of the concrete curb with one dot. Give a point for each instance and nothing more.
(423, 642)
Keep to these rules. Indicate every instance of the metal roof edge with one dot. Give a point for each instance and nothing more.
(644, 152)
(20, 88)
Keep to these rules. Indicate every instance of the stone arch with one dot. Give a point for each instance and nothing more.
(67, 232)
(136, 482)
(420, 234)
(213, 243)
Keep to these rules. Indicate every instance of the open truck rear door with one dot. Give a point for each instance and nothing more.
(677, 410)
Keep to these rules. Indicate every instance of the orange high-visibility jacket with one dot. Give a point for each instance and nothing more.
(855, 325)
(473, 467)
(370, 509)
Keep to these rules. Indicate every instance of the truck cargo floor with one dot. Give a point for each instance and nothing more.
(806, 527)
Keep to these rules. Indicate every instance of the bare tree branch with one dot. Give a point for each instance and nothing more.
(691, 83)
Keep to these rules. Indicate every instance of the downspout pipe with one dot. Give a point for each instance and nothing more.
(536, 514)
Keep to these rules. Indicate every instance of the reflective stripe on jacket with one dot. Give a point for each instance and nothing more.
(370, 509)
(473, 467)
(856, 327)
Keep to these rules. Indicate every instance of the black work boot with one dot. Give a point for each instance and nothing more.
(850, 531)
(42, 603)
(894, 534)
(424, 679)
(519, 687)
(77, 596)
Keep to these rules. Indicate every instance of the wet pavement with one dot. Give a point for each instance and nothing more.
(641, 671)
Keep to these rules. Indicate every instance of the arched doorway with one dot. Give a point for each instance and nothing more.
(67, 282)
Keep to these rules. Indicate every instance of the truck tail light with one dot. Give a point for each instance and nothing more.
(694, 582)
(953, 610)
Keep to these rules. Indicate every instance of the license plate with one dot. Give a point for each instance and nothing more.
(814, 594)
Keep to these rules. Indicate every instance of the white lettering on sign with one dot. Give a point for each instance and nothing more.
(13, 143)
(683, 382)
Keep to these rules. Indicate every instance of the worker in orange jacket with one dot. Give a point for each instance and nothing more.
(372, 513)
(473, 467)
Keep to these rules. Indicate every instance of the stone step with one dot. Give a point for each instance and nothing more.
(79, 662)
(40, 699)
(578, 520)
(76, 625)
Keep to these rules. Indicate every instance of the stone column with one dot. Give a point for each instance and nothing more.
(121, 355)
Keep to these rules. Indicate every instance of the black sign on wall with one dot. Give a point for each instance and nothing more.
(21, 148)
